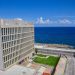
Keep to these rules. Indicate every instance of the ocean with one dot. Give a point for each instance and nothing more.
(55, 35)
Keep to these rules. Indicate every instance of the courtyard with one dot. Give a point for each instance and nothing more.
(46, 60)
(41, 64)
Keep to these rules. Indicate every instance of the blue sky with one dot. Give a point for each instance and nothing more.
(41, 12)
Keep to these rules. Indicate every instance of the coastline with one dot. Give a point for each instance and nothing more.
(56, 45)
(55, 35)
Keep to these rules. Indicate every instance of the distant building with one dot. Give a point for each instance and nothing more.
(16, 42)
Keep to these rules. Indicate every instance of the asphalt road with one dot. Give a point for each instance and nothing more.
(70, 67)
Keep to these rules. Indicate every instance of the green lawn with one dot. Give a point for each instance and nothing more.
(41, 55)
(51, 60)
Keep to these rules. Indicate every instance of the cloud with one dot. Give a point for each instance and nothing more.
(59, 20)
(64, 21)
(40, 20)
(43, 21)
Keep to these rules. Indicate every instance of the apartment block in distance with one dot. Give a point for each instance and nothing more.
(16, 42)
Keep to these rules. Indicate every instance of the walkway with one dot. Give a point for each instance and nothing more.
(61, 66)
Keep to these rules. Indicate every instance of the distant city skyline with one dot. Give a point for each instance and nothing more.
(40, 12)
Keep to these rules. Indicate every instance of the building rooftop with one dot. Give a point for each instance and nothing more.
(14, 23)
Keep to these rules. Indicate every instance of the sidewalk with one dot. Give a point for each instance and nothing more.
(61, 66)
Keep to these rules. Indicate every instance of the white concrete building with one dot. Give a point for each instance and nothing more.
(16, 42)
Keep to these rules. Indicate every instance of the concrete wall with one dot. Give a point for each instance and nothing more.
(1, 53)
(55, 52)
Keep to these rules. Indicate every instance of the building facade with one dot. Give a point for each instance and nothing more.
(16, 42)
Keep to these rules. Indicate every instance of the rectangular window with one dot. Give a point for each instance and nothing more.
(5, 65)
(13, 54)
(6, 31)
(3, 45)
(2, 31)
(2, 38)
(19, 30)
(15, 30)
(8, 57)
(9, 50)
(12, 61)
(10, 31)
(4, 59)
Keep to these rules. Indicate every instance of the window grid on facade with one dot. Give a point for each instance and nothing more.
(16, 43)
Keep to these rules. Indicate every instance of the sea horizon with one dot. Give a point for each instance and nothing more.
(55, 35)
